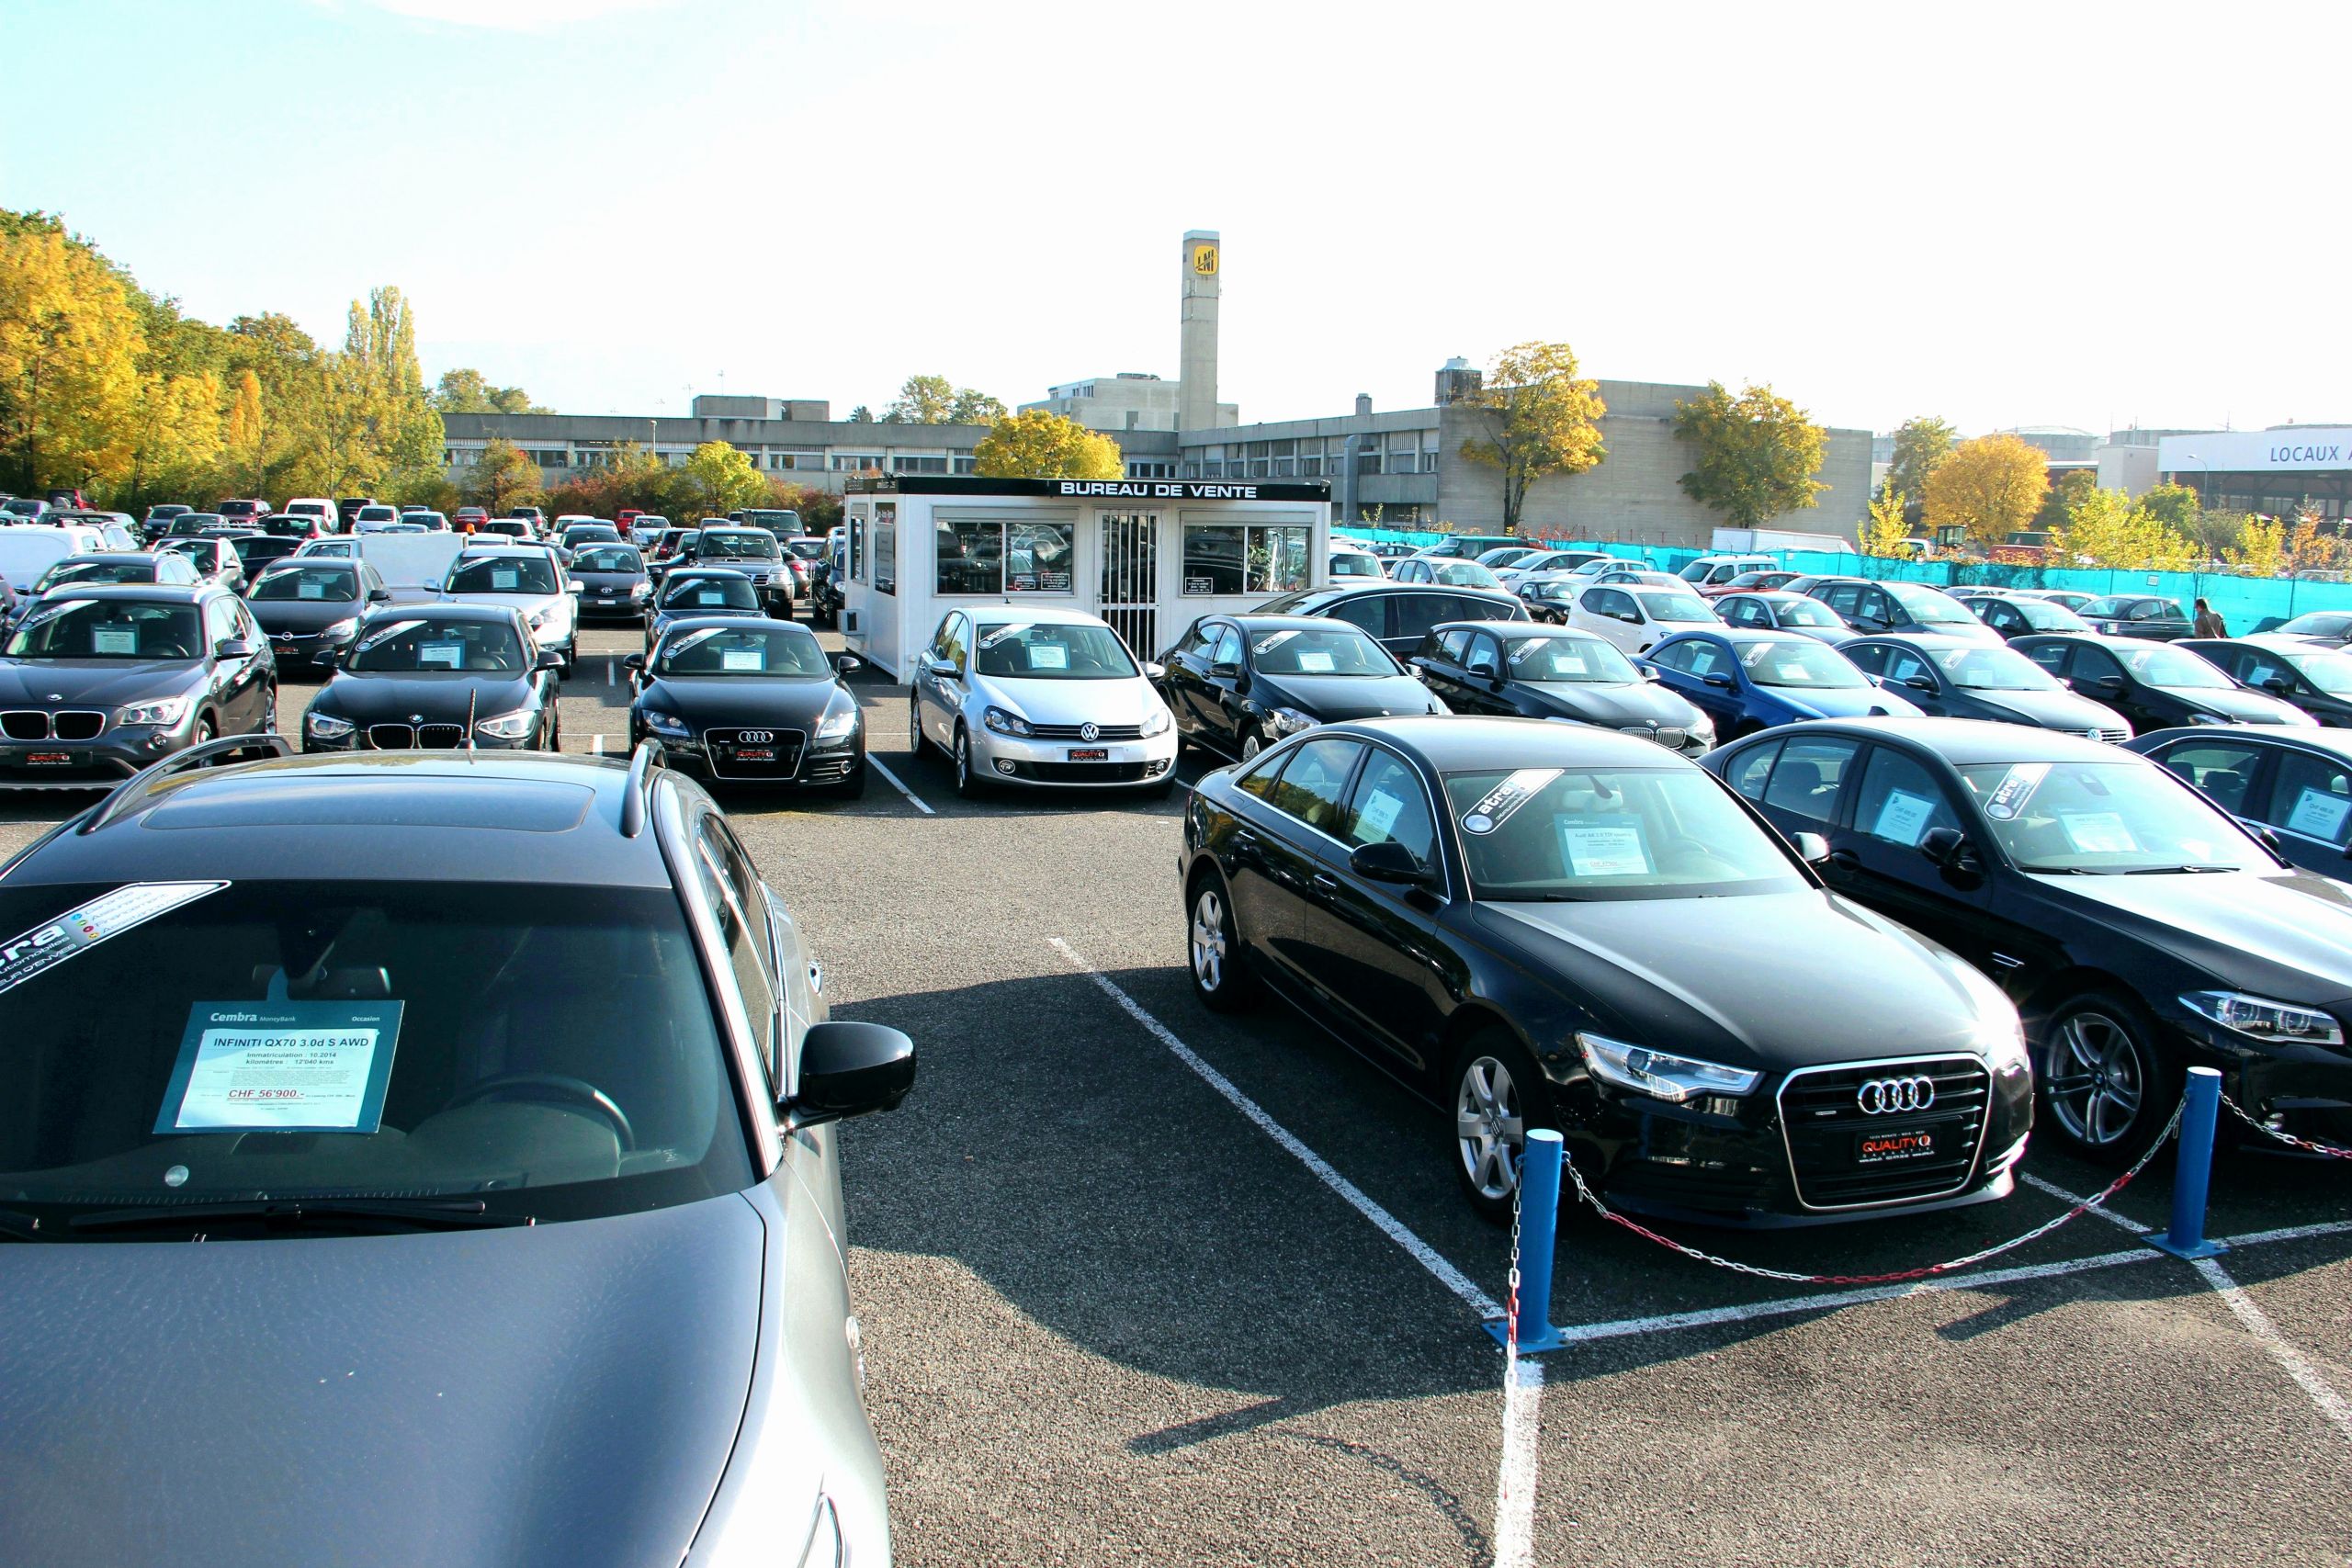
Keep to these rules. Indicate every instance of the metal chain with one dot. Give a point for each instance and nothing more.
(2328, 1149)
(1510, 1307)
(2036, 1233)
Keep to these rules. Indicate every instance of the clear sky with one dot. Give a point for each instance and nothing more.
(2049, 213)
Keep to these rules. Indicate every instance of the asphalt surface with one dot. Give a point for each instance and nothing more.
(1110, 1319)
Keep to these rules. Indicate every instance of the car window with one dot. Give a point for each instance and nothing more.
(502, 574)
(1412, 614)
(1744, 613)
(1573, 834)
(1900, 801)
(1228, 648)
(1389, 805)
(1454, 646)
(1313, 784)
(1486, 654)
(688, 594)
(1580, 660)
(2160, 664)
(1051, 651)
(1870, 658)
(2223, 771)
(1749, 771)
(1842, 597)
(1370, 612)
(608, 558)
(1805, 781)
(1608, 602)
(1703, 657)
(742, 648)
(2092, 663)
(1902, 665)
(730, 892)
(1805, 664)
(2310, 798)
(420, 644)
(1325, 649)
(2108, 817)
(331, 584)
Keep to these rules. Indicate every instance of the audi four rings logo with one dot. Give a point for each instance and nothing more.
(1087, 731)
(756, 737)
(1886, 1096)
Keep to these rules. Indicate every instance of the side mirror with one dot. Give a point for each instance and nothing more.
(380, 595)
(1390, 861)
(574, 587)
(1812, 848)
(1225, 671)
(1918, 683)
(849, 1069)
(232, 647)
(1483, 671)
(2279, 685)
(2108, 682)
(1949, 847)
(846, 663)
(1717, 680)
(1154, 672)
(633, 661)
(1649, 672)
(548, 660)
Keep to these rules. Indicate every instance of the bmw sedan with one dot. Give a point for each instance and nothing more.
(751, 702)
(1542, 925)
(2154, 686)
(1504, 669)
(1237, 684)
(502, 1088)
(440, 677)
(1947, 678)
(527, 580)
(2139, 929)
(1747, 680)
(310, 608)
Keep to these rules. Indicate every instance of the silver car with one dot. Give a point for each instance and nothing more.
(1037, 695)
(527, 579)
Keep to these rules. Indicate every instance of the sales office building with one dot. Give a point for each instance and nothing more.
(1149, 556)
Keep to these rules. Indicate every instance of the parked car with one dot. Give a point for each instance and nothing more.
(2065, 598)
(2293, 784)
(536, 516)
(527, 580)
(750, 701)
(611, 581)
(426, 518)
(2315, 679)
(346, 509)
(243, 514)
(2014, 615)
(2333, 626)
(645, 527)
(1238, 684)
(700, 593)
(1890, 606)
(470, 519)
(195, 525)
(1778, 612)
(1503, 556)
(1746, 681)
(437, 677)
(1466, 546)
(1038, 695)
(1503, 669)
(316, 513)
(1638, 615)
(1445, 573)
(602, 1141)
(1353, 560)
(369, 519)
(2152, 686)
(160, 517)
(167, 567)
(1639, 576)
(310, 609)
(1944, 677)
(1600, 940)
(1550, 597)
(1527, 565)
(256, 551)
(1752, 582)
(2139, 616)
(2138, 929)
(1718, 571)
(1397, 614)
(27, 553)
(214, 557)
(754, 553)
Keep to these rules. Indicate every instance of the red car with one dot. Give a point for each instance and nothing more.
(467, 519)
(1749, 583)
(245, 513)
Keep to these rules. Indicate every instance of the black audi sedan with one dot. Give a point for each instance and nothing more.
(2153, 684)
(1506, 670)
(1237, 684)
(1398, 614)
(701, 591)
(2315, 679)
(1951, 679)
(613, 583)
(1545, 925)
(2139, 929)
(2295, 784)
(309, 607)
(98, 682)
(438, 677)
(751, 702)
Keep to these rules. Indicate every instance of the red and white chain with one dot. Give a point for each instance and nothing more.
(2328, 1149)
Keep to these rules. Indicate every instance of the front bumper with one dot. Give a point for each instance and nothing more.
(118, 752)
(301, 651)
(2299, 1088)
(1009, 760)
(598, 606)
(798, 766)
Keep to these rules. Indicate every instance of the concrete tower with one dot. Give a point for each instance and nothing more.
(1196, 366)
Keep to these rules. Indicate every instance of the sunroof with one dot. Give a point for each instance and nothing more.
(309, 800)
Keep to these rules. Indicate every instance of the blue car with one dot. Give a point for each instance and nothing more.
(1746, 681)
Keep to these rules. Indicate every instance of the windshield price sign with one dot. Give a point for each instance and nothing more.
(277, 1067)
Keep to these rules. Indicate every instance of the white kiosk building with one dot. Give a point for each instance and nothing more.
(1148, 555)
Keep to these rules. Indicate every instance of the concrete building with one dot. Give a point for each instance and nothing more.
(2279, 472)
(1133, 399)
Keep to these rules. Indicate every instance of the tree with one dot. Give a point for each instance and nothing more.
(861, 416)
(975, 407)
(1884, 530)
(1990, 488)
(2308, 549)
(2105, 528)
(1541, 420)
(500, 478)
(1920, 444)
(2261, 547)
(2063, 497)
(1757, 453)
(1043, 445)
(244, 432)
(467, 391)
(723, 479)
(69, 343)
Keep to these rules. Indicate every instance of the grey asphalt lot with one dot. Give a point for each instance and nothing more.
(1109, 1320)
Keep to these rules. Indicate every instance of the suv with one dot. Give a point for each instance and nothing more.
(531, 514)
(243, 514)
(347, 507)
(523, 1043)
(751, 551)
(316, 511)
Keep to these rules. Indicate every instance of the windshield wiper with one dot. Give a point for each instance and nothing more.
(419, 1213)
(2063, 871)
(2171, 870)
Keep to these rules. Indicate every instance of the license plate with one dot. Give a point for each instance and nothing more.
(1090, 754)
(49, 759)
(1893, 1148)
(755, 753)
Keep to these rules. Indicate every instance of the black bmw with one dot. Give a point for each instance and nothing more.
(750, 701)
(440, 677)
(1547, 925)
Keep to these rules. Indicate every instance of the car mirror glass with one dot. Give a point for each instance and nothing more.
(847, 663)
(548, 660)
(849, 1069)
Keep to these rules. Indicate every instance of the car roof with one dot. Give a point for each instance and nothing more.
(1461, 742)
(2336, 742)
(2269, 642)
(1771, 596)
(1963, 742)
(738, 624)
(1927, 641)
(442, 610)
(2100, 638)
(1520, 629)
(145, 593)
(691, 573)
(1749, 634)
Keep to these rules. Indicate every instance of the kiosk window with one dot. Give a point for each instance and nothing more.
(1235, 557)
(886, 546)
(1005, 557)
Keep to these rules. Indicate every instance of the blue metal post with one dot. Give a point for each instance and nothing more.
(1539, 1229)
(2193, 1170)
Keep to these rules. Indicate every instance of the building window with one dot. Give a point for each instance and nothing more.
(1005, 557)
(1310, 468)
(1237, 557)
(886, 546)
(907, 463)
(855, 462)
(1367, 462)
(966, 465)
(1214, 468)
(857, 543)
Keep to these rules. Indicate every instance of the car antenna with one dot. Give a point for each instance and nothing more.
(471, 698)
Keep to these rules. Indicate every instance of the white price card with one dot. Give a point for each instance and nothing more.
(279, 1066)
(1604, 846)
(1045, 656)
(2318, 814)
(1904, 818)
(2098, 832)
(741, 658)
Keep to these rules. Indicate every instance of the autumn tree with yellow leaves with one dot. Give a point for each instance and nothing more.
(1043, 445)
(1988, 488)
(1541, 418)
(2108, 528)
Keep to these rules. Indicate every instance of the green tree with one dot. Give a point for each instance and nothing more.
(2062, 497)
(724, 478)
(2260, 548)
(2105, 528)
(501, 476)
(467, 391)
(1757, 453)
(245, 432)
(1043, 445)
(1541, 419)
(1989, 487)
(972, 406)
(1920, 444)
(861, 416)
(933, 400)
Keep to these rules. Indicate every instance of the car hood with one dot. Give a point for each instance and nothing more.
(742, 700)
(1638, 701)
(1335, 698)
(1129, 700)
(441, 697)
(1832, 982)
(2248, 707)
(94, 682)
(557, 1394)
(2286, 934)
(2051, 710)
(1842, 702)
(304, 615)
(595, 580)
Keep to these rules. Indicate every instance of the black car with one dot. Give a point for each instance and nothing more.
(160, 517)
(2295, 784)
(1549, 597)
(1766, 611)
(703, 592)
(1947, 678)
(2015, 615)
(751, 702)
(1545, 925)
(256, 551)
(169, 567)
(2139, 929)
(2145, 615)
(437, 677)
(310, 608)
(2333, 627)
(1892, 607)
(2152, 686)
(1508, 670)
(2315, 679)
(1238, 684)
(613, 582)
(98, 682)
(1398, 614)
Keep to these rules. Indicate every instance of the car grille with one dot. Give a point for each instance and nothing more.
(1085, 772)
(32, 724)
(78, 725)
(2113, 737)
(1664, 737)
(412, 737)
(1821, 1120)
(1070, 732)
(723, 744)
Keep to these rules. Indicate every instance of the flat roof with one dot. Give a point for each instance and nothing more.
(1118, 490)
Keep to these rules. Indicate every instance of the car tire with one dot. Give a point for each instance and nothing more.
(1251, 743)
(1214, 955)
(968, 783)
(555, 732)
(269, 712)
(1495, 1093)
(2105, 1083)
(916, 742)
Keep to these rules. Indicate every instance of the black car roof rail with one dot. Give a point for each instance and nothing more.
(143, 783)
(638, 796)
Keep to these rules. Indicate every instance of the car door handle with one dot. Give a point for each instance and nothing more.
(1845, 860)
(1324, 879)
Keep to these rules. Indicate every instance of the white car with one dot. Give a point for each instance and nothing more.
(1637, 616)
(1040, 695)
(526, 579)
(315, 510)
(1638, 574)
(1543, 561)
(1353, 560)
(368, 519)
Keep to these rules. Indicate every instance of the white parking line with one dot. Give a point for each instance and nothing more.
(1515, 1479)
(610, 665)
(596, 746)
(876, 764)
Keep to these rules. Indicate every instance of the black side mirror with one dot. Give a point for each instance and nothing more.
(232, 647)
(849, 1069)
(1483, 671)
(1919, 682)
(1390, 861)
(633, 661)
(847, 663)
(380, 595)
(2108, 682)
(330, 657)
(1949, 847)
(1225, 671)
(548, 660)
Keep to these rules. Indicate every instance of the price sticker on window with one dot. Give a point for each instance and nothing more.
(281, 1066)
(737, 659)
(2319, 814)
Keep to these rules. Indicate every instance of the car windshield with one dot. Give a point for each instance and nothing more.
(89, 573)
(192, 523)
(333, 585)
(1993, 670)
(1803, 612)
(413, 643)
(502, 574)
(588, 534)
(2045, 617)
(806, 550)
(1349, 563)
(1927, 606)
(2317, 626)
(1563, 592)
(735, 543)
(1673, 605)
(1578, 833)
(1577, 659)
(2331, 672)
(1464, 575)
(108, 629)
(1336, 649)
(608, 558)
(1808, 663)
(755, 650)
(378, 514)
(552, 1059)
(2158, 665)
(692, 594)
(2104, 817)
(1051, 651)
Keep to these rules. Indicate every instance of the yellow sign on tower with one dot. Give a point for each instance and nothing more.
(1204, 259)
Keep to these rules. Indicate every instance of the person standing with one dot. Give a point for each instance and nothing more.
(2208, 623)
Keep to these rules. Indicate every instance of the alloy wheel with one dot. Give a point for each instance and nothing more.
(963, 762)
(1251, 746)
(2096, 1079)
(1488, 1129)
(914, 727)
(1209, 954)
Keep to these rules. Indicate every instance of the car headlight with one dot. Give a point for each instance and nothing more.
(840, 720)
(639, 590)
(2263, 1019)
(1288, 721)
(1657, 1074)
(326, 727)
(508, 725)
(342, 631)
(1704, 727)
(2207, 718)
(1005, 723)
(164, 711)
(1157, 724)
(2002, 1040)
(538, 620)
(669, 726)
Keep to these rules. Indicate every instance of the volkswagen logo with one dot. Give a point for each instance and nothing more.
(1886, 1097)
(756, 737)
(1089, 731)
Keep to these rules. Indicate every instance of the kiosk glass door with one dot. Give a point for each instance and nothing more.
(1128, 600)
